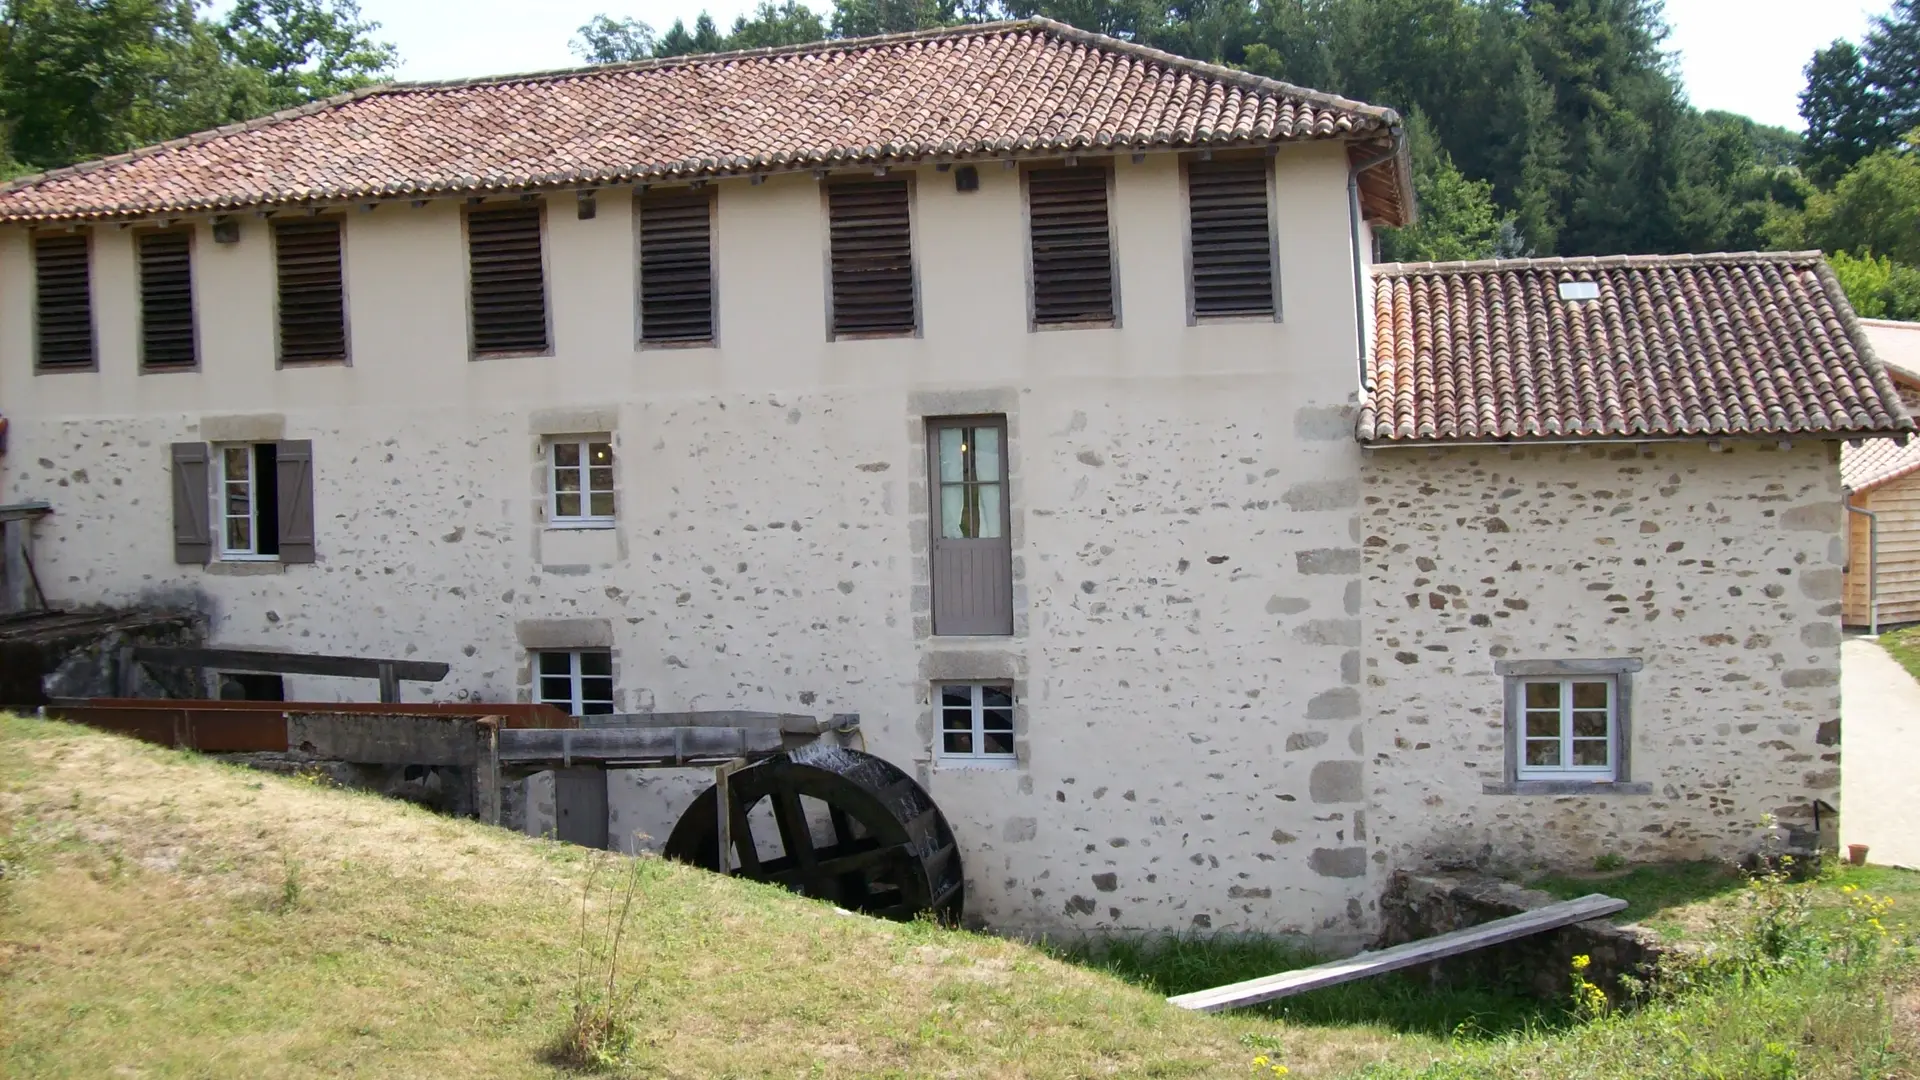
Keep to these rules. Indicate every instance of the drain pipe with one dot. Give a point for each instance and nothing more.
(1353, 226)
(1873, 566)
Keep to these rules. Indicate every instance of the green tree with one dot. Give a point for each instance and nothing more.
(1878, 287)
(606, 40)
(789, 24)
(1892, 56)
(1844, 121)
(1458, 220)
(1875, 207)
(862, 18)
(679, 41)
(305, 49)
(85, 78)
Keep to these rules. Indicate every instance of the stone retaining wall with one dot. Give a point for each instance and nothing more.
(1420, 906)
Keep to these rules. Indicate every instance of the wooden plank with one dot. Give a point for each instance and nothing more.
(281, 663)
(1288, 983)
(635, 744)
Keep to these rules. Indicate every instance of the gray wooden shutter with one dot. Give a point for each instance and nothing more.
(676, 267)
(972, 578)
(871, 252)
(63, 303)
(192, 514)
(166, 301)
(313, 291)
(294, 473)
(508, 281)
(1072, 245)
(1231, 238)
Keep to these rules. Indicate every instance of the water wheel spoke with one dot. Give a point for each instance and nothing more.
(743, 842)
(796, 835)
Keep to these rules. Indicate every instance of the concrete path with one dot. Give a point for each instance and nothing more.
(1880, 755)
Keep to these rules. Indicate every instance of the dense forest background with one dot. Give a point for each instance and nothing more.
(1536, 126)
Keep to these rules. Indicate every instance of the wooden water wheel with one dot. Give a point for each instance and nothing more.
(889, 851)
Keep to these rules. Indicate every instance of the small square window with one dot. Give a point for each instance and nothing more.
(1567, 726)
(580, 482)
(577, 680)
(976, 723)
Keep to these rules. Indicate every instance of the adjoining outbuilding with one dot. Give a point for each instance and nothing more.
(1882, 478)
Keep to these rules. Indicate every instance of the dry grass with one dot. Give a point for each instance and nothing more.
(162, 915)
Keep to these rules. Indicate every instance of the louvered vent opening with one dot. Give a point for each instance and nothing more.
(63, 302)
(676, 267)
(1072, 247)
(1232, 238)
(313, 295)
(509, 287)
(166, 301)
(872, 258)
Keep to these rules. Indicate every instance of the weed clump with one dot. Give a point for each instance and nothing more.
(601, 1032)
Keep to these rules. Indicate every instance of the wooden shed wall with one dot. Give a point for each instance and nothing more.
(1898, 506)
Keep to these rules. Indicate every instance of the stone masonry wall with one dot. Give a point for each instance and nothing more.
(1719, 570)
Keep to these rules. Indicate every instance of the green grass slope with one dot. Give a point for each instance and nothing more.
(163, 915)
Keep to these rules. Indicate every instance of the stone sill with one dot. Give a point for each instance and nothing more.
(245, 567)
(1564, 787)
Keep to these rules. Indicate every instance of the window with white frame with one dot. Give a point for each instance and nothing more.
(1568, 726)
(976, 722)
(247, 513)
(580, 482)
(577, 680)
(1567, 729)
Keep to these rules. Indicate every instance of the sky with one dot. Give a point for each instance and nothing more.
(1743, 56)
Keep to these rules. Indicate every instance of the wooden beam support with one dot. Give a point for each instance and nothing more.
(1288, 983)
(680, 744)
(279, 663)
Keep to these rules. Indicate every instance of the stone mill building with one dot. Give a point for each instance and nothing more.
(1032, 394)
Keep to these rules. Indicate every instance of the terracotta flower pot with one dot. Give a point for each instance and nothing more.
(1857, 854)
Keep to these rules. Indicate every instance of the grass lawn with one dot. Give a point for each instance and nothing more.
(162, 915)
(1904, 645)
(1687, 900)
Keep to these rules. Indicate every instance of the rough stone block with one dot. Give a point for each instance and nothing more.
(1334, 704)
(1346, 862)
(1328, 561)
(1802, 678)
(1323, 494)
(1336, 782)
(1343, 632)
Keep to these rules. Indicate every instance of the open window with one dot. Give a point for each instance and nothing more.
(243, 502)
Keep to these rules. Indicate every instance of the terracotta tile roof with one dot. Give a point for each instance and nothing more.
(1879, 461)
(1673, 347)
(1028, 88)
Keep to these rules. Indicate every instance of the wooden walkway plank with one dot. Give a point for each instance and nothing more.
(1288, 983)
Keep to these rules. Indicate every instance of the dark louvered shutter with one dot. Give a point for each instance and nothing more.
(166, 301)
(313, 292)
(192, 514)
(872, 256)
(63, 303)
(1232, 239)
(509, 284)
(676, 267)
(1072, 245)
(293, 476)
